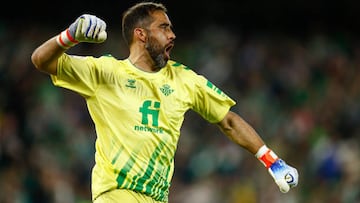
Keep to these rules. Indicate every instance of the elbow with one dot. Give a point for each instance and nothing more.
(45, 56)
(226, 125)
(36, 61)
(42, 64)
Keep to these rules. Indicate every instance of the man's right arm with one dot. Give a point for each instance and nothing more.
(45, 57)
(86, 28)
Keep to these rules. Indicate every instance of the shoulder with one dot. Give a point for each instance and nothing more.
(107, 58)
(108, 61)
(67, 58)
(185, 74)
(177, 65)
(181, 68)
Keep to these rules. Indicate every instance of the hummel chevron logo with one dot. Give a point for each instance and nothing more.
(131, 83)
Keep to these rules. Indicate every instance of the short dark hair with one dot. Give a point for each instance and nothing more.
(138, 15)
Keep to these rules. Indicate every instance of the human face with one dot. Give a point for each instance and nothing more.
(160, 39)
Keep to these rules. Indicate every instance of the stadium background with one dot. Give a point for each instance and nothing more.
(292, 66)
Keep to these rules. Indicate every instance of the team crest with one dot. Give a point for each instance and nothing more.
(166, 90)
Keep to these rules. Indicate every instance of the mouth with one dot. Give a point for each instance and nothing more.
(168, 49)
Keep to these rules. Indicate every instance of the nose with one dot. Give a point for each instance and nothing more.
(172, 35)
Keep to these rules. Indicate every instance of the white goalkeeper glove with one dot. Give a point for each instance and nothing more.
(86, 28)
(284, 175)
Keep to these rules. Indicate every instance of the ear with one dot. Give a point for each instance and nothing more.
(140, 33)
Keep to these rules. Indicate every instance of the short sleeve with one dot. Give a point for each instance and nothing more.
(209, 101)
(77, 73)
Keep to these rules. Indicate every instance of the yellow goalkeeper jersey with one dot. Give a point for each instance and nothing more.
(138, 116)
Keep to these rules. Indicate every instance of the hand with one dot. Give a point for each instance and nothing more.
(284, 175)
(86, 28)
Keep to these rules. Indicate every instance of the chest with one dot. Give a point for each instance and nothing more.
(158, 100)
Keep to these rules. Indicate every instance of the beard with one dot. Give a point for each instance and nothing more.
(156, 52)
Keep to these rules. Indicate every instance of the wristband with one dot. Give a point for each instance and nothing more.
(65, 40)
(266, 156)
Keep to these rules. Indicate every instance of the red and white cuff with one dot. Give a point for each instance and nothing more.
(266, 156)
(65, 40)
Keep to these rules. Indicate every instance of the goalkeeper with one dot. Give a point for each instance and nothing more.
(138, 105)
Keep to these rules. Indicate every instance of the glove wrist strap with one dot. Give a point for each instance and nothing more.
(65, 40)
(266, 156)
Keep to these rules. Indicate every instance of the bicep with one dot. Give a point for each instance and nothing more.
(45, 57)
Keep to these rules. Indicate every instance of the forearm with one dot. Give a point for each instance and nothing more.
(86, 28)
(45, 57)
(240, 132)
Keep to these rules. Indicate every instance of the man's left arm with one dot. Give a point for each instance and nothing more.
(241, 133)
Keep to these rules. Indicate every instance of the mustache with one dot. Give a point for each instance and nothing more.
(172, 42)
(170, 45)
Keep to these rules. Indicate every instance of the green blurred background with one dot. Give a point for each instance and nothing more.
(292, 66)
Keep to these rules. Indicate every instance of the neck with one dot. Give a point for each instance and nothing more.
(143, 64)
(142, 60)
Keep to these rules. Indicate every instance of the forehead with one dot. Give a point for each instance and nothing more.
(160, 17)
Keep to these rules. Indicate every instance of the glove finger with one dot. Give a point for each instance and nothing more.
(101, 35)
(91, 27)
(86, 25)
(79, 30)
(83, 24)
(283, 185)
(103, 26)
(97, 28)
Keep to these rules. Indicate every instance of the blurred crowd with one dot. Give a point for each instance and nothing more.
(301, 94)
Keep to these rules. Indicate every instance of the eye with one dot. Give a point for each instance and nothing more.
(165, 27)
